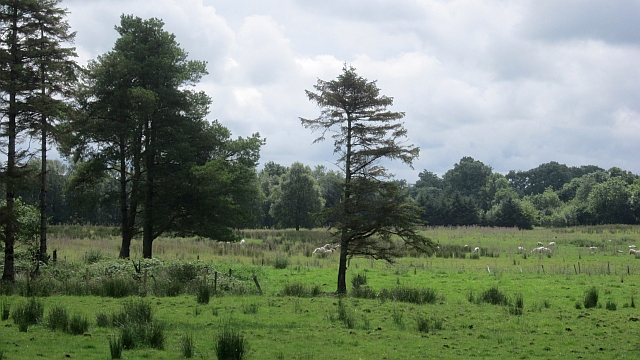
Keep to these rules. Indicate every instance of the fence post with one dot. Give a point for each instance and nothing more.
(255, 279)
(86, 277)
(215, 282)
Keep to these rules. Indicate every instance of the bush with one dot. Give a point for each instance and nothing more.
(591, 298)
(117, 287)
(154, 335)
(58, 319)
(364, 292)
(93, 256)
(230, 344)
(281, 261)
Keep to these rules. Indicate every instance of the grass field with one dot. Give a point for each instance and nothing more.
(542, 315)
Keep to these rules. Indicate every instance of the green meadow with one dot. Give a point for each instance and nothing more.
(499, 302)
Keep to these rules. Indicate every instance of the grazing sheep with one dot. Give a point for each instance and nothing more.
(552, 243)
(620, 251)
(540, 243)
(319, 250)
(632, 246)
(520, 249)
(477, 249)
(242, 242)
(593, 248)
(541, 250)
(633, 252)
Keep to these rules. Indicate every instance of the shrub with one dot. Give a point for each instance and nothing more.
(230, 344)
(281, 261)
(154, 335)
(187, 345)
(611, 306)
(494, 296)
(115, 347)
(93, 256)
(204, 294)
(58, 319)
(128, 336)
(182, 272)
(136, 311)
(591, 298)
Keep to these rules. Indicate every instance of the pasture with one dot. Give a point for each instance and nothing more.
(539, 312)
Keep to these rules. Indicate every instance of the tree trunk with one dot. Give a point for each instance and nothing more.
(344, 241)
(342, 267)
(124, 211)
(42, 253)
(8, 273)
(147, 226)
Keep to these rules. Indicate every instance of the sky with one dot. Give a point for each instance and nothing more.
(513, 84)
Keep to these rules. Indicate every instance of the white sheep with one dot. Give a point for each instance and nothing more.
(633, 252)
(477, 249)
(319, 250)
(632, 246)
(242, 242)
(521, 248)
(540, 243)
(593, 248)
(552, 243)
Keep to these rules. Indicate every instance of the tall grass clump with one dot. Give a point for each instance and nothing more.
(78, 325)
(102, 319)
(5, 308)
(27, 314)
(204, 294)
(301, 290)
(57, 319)
(187, 345)
(517, 308)
(411, 295)
(426, 325)
(493, 296)
(115, 347)
(230, 344)
(398, 317)
(610, 305)
(359, 280)
(591, 298)
(281, 261)
(116, 287)
(345, 315)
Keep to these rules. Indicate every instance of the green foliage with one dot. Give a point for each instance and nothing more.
(517, 307)
(346, 315)
(296, 198)
(409, 294)
(591, 298)
(230, 344)
(301, 290)
(494, 296)
(102, 319)
(204, 294)
(250, 308)
(281, 261)
(57, 319)
(187, 345)
(93, 256)
(426, 325)
(359, 280)
(116, 287)
(5, 308)
(610, 305)
(78, 324)
(398, 317)
(115, 347)
(29, 313)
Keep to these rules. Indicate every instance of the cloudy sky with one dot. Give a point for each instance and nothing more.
(510, 83)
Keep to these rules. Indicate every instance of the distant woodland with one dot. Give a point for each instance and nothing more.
(470, 193)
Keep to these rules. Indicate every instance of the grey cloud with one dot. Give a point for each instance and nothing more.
(616, 21)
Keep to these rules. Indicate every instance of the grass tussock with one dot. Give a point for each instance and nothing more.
(29, 313)
(281, 261)
(346, 315)
(230, 344)
(591, 298)
(301, 290)
(517, 307)
(57, 319)
(5, 309)
(204, 294)
(426, 325)
(410, 295)
(187, 345)
(115, 347)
